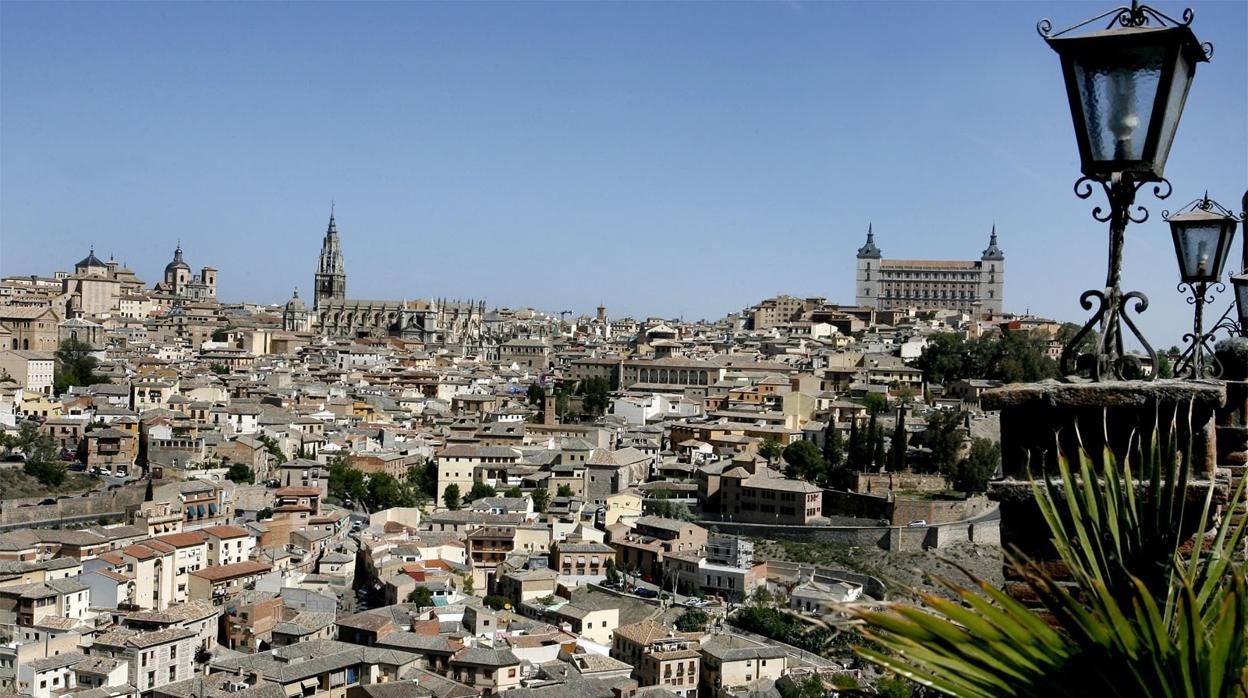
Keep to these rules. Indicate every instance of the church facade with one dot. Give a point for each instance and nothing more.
(975, 287)
(438, 323)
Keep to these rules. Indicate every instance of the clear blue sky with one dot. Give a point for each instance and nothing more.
(660, 158)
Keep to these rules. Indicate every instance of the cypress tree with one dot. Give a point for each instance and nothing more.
(897, 449)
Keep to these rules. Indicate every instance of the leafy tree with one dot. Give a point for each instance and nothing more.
(971, 474)
(693, 620)
(240, 473)
(1164, 368)
(564, 491)
(75, 366)
(272, 448)
(1010, 357)
(384, 492)
(897, 448)
(613, 574)
(833, 444)
(875, 403)
(219, 369)
(451, 497)
(809, 687)
(771, 450)
(422, 482)
(541, 499)
(346, 482)
(514, 492)
(943, 437)
(536, 395)
(805, 461)
(497, 602)
(481, 490)
(421, 596)
(40, 452)
(265, 513)
(597, 395)
(467, 586)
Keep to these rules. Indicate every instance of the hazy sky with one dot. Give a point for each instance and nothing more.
(662, 159)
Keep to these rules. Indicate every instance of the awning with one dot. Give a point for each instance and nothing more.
(190, 512)
(199, 509)
(310, 683)
(212, 508)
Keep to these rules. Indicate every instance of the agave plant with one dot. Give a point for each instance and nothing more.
(1139, 615)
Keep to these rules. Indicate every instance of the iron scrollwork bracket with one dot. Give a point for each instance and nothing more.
(1105, 360)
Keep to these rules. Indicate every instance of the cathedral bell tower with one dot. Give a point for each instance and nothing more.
(331, 274)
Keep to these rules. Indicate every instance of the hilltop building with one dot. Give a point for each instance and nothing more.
(975, 287)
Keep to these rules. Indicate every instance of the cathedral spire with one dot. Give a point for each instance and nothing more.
(330, 282)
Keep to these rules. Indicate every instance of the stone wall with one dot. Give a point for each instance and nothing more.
(900, 511)
(898, 538)
(12, 511)
(888, 482)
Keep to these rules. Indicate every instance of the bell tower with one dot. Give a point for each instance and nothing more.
(330, 282)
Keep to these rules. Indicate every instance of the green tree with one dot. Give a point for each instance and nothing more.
(450, 497)
(481, 490)
(854, 451)
(536, 395)
(833, 444)
(467, 586)
(421, 596)
(893, 686)
(613, 574)
(240, 473)
(497, 602)
(265, 513)
(39, 450)
(943, 437)
(384, 492)
(346, 482)
(879, 456)
(75, 366)
(218, 369)
(771, 450)
(1164, 368)
(564, 491)
(809, 687)
(597, 395)
(875, 403)
(971, 474)
(693, 620)
(514, 492)
(272, 448)
(897, 448)
(805, 461)
(541, 499)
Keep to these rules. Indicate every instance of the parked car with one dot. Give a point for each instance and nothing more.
(694, 602)
(918, 522)
(646, 593)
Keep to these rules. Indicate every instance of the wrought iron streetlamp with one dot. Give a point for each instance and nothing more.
(1126, 85)
(1202, 231)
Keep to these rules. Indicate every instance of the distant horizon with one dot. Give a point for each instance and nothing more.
(675, 160)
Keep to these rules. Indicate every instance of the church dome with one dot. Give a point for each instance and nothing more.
(295, 304)
(177, 262)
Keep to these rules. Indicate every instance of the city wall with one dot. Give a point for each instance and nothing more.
(12, 511)
(896, 538)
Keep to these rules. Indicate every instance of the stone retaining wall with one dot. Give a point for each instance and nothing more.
(899, 538)
(13, 512)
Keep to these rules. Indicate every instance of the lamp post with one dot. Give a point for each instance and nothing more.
(1126, 85)
(1202, 232)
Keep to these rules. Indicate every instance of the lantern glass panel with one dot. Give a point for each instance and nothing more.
(1241, 298)
(1179, 84)
(1198, 248)
(1117, 92)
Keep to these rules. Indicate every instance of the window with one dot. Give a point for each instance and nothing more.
(173, 674)
(511, 673)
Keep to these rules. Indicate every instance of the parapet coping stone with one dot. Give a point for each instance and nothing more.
(1130, 394)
